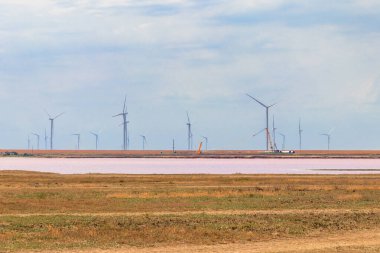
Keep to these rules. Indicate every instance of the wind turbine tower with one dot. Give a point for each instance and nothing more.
(143, 141)
(125, 125)
(52, 128)
(78, 140)
(328, 140)
(283, 141)
(206, 141)
(274, 135)
(189, 134)
(267, 118)
(300, 133)
(96, 139)
(46, 139)
(38, 140)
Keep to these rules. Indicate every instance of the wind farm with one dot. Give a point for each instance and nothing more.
(272, 149)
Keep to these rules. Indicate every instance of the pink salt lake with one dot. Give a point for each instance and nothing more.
(192, 166)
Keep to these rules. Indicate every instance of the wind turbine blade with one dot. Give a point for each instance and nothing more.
(125, 103)
(256, 100)
(47, 114)
(272, 105)
(331, 130)
(259, 132)
(59, 115)
(188, 118)
(120, 114)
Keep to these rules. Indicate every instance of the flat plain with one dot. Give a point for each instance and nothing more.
(188, 213)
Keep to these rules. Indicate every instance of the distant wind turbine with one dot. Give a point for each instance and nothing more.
(267, 118)
(189, 133)
(52, 127)
(46, 139)
(300, 133)
(328, 135)
(125, 125)
(78, 140)
(206, 141)
(38, 140)
(143, 141)
(96, 139)
(328, 140)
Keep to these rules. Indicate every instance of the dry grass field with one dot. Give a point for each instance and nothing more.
(188, 213)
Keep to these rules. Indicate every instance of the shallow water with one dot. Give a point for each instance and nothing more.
(192, 166)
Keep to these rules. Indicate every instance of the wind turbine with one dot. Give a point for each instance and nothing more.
(206, 140)
(78, 136)
(52, 127)
(143, 141)
(283, 141)
(328, 140)
(328, 135)
(125, 124)
(300, 133)
(267, 116)
(274, 135)
(96, 139)
(189, 133)
(46, 139)
(38, 140)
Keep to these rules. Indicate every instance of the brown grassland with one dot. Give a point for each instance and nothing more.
(189, 213)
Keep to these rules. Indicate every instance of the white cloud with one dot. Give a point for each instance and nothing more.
(192, 57)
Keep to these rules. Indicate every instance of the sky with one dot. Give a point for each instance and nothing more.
(318, 60)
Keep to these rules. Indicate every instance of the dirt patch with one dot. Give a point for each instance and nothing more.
(210, 212)
(353, 196)
(354, 241)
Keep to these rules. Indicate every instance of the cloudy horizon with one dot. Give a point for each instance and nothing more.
(318, 60)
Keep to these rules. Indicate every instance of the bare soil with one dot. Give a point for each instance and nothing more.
(349, 242)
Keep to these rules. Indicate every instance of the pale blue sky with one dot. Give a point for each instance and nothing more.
(319, 60)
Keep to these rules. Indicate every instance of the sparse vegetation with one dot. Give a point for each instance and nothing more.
(49, 211)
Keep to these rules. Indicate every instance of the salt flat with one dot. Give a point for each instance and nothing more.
(192, 166)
